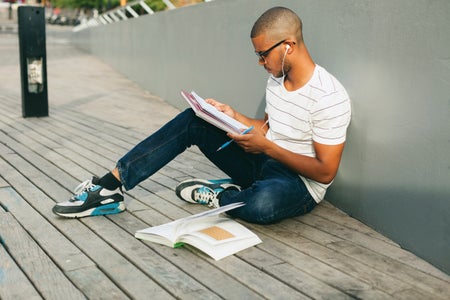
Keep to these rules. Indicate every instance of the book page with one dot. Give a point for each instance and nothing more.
(210, 114)
(218, 114)
(214, 212)
(169, 232)
(221, 239)
(163, 234)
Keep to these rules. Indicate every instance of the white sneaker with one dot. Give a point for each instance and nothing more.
(203, 191)
(91, 199)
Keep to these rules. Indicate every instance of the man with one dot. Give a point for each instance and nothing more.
(280, 169)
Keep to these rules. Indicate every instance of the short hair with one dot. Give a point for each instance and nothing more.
(278, 19)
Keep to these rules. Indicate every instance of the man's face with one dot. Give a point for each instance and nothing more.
(270, 54)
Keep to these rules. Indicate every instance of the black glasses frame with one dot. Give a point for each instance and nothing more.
(263, 54)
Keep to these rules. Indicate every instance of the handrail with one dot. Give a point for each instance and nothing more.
(122, 13)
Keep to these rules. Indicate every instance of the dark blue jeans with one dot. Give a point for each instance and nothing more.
(271, 191)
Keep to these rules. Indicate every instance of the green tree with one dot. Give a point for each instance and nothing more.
(155, 5)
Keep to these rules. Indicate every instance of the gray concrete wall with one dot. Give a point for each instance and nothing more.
(393, 57)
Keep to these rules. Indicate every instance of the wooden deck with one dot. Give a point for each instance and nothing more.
(96, 115)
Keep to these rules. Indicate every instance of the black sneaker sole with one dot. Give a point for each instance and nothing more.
(107, 209)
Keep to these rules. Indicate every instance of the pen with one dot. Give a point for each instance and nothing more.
(230, 141)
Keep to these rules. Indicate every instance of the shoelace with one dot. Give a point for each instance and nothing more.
(205, 195)
(81, 188)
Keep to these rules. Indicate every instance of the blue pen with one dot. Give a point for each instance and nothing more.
(230, 141)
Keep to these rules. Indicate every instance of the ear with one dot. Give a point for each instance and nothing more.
(289, 46)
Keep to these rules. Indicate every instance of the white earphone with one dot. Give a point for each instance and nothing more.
(284, 56)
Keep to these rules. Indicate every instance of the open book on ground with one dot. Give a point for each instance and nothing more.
(209, 232)
(210, 114)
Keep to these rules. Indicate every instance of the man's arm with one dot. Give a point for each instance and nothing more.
(322, 168)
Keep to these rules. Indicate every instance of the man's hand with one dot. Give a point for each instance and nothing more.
(252, 142)
(226, 109)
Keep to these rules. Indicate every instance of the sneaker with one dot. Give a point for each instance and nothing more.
(91, 199)
(202, 191)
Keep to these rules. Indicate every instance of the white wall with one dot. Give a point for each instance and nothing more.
(392, 56)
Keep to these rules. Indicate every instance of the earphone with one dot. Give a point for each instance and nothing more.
(284, 56)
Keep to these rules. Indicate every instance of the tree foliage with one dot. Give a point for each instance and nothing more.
(78, 3)
(102, 5)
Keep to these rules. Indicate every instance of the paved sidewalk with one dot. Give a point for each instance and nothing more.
(96, 115)
(83, 82)
(7, 24)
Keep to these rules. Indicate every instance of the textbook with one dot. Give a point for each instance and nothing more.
(210, 114)
(209, 232)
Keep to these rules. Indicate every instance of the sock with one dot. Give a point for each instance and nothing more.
(109, 182)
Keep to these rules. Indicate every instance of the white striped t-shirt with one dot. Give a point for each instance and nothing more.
(319, 111)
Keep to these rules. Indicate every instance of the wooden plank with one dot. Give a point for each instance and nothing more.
(45, 276)
(100, 252)
(30, 156)
(41, 154)
(376, 274)
(3, 182)
(295, 277)
(79, 268)
(328, 211)
(414, 294)
(422, 282)
(52, 240)
(325, 273)
(14, 284)
(363, 240)
(343, 263)
(96, 130)
(79, 144)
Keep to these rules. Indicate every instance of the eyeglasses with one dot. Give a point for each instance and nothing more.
(263, 54)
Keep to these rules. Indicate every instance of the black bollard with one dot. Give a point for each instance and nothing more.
(33, 61)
